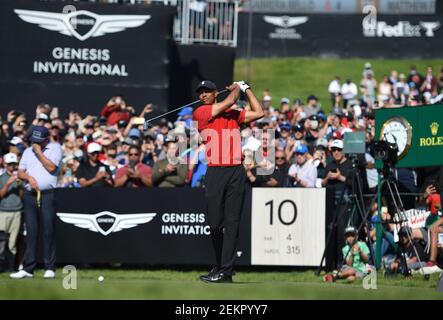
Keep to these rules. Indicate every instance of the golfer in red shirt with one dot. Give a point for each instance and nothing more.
(218, 125)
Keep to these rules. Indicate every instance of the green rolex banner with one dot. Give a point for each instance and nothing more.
(418, 132)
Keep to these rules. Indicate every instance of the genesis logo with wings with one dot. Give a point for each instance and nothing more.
(82, 24)
(285, 21)
(106, 222)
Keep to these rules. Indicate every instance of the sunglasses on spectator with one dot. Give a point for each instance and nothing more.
(95, 153)
(112, 155)
(133, 154)
(280, 158)
(336, 149)
(300, 153)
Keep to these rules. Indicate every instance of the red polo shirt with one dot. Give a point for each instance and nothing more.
(221, 135)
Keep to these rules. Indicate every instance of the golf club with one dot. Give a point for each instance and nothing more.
(146, 125)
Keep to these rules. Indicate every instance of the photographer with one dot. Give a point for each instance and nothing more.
(115, 110)
(355, 256)
(170, 172)
(135, 174)
(93, 173)
(339, 169)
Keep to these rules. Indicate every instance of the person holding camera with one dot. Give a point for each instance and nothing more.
(39, 168)
(11, 191)
(93, 173)
(171, 171)
(135, 174)
(355, 257)
(115, 111)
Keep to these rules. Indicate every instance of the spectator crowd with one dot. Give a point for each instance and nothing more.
(113, 149)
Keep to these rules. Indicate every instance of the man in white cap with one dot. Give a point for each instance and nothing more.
(93, 173)
(337, 170)
(10, 204)
(16, 146)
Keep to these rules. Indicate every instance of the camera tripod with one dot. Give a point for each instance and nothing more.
(399, 218)
(351, 201)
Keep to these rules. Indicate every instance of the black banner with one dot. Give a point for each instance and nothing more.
(160, 226)
(390, 36)
(194, 63)
(77, 55)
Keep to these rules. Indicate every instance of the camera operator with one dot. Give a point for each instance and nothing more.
(356, 256)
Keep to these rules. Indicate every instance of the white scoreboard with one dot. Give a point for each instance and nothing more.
(288, 226)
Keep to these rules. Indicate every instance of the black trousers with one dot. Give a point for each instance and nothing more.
(225, 188)
(35, 218)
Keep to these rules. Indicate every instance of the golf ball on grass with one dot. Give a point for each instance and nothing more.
(101, 278)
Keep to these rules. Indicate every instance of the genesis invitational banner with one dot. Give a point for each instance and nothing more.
(78, 55)
(152, 226)
(340, 35)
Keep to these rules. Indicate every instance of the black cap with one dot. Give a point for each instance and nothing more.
(313, 117)
(206, 84)
(298, 127)
(312, 97)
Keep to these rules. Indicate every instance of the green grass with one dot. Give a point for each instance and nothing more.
(300, 77)
(172, 284)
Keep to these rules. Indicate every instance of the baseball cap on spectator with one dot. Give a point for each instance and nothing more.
(185, 112)
(321, 116)
(94, 147)
(111, 130)
(262, 122)
(336, 135)
(150, 135)
(78, 155)
(122, 124)
(321, 143)
(284, 100)
(298, 127)
(206, 84)
(285, 126)
(297, 102)
(96, 135)
(44, 117)
(39, 134)
(180, 130)
(337, 112)
(337, 144)
(135, 133)
(160, 137)
(301, 148)
(15, 141)
(371, 115)
(169, 138)
(102, 120)
(267, 98)
(312, 97)
(128, 140)
(350, 230)
(10, 158)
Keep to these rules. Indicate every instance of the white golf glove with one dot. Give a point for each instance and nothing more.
(243, 85)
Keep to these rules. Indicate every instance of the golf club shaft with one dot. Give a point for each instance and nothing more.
(175, 110)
